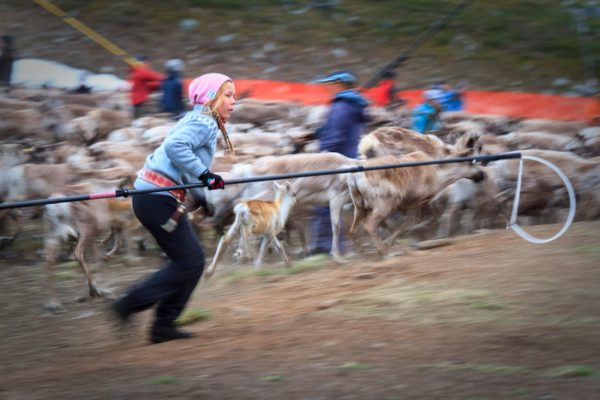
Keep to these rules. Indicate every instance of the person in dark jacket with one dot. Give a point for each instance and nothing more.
(172, 89)
(7, 58)
(340, 134)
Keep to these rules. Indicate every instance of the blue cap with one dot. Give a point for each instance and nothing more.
(340, 76)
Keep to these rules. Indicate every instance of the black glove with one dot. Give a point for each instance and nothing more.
(212, 181)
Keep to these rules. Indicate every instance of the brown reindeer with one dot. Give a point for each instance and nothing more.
(81, 223)
(377, 194)
(258, 218)
(329, 190)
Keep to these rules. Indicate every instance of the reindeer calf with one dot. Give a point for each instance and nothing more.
(258, 218)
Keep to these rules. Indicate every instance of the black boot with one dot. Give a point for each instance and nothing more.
(120, 318)
(118, 312)
(165, 334)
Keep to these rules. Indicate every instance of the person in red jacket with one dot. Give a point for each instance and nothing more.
(143, 81)
(593, 111)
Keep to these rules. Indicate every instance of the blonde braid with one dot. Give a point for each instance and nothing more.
(230, 150)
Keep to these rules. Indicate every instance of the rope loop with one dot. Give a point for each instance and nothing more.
(572, 204)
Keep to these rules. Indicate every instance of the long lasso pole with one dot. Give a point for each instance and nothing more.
(133, 192)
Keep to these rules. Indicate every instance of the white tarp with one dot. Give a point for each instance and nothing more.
(35, 73)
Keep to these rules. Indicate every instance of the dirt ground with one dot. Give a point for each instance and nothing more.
(489, 316)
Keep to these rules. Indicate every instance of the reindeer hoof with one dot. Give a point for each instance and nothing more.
(106, 293)
(54, 306)
(393, 254)
(207, 274)
(340, 260)
(95, 291)
(6, 241)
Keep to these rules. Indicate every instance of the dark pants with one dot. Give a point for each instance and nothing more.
(170, 287)
(6, 68)
(321, 231)
(140, 109)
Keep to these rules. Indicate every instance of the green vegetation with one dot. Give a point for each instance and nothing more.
(164, 380)
(589, 249)
(501, 41)
(572, 371)
(273, 378)
(298, 267)
(66, 275)
(569, 371)
(356, 366)
(481, 368)
(191, 316)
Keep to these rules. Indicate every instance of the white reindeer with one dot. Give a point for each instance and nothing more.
(258, 218)
(331, 190)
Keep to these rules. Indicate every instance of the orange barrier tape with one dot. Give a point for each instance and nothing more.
(524, 105)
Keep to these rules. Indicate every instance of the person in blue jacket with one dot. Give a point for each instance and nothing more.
(426, 116)
(340, 133)
(172, 89)
(185, 155)
(452, 99)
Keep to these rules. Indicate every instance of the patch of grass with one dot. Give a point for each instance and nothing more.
(69, 265)
(487, 306)
(589, 249)
(273, 378)
(356, 366)
(481, 368)
(418, 301)
(66, 275)
(265, 272)
(191, 316)
(520, 392)
(572, 371)
(249, 272)
(307, 264)
(164, 380)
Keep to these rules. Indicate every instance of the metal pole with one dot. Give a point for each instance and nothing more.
(132, 192)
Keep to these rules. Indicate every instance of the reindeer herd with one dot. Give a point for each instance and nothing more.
(56, 144)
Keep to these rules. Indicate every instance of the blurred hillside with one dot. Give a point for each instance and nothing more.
(515, 45)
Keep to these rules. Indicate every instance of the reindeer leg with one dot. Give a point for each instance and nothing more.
(93, 289)
(372, 225)
(221, 247)
(292, 226)
(401, 229)
(281, 251)
(303, 241)
(427, 227)
(16, 216)
(116, 243)
(51, 249)
(335, 206)
(266, 242)
(454, 218)
(360, 212)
